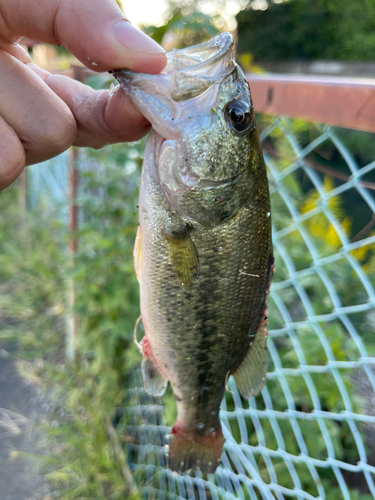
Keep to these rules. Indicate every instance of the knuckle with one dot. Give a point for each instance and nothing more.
(12, 159)
(51, 137)
(60, 134)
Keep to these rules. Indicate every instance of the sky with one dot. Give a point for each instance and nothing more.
(151, 11)
(144, 11)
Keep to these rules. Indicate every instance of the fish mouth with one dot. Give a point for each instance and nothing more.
(200, 58)
(189, 71)
(194, 69)
(188, 74)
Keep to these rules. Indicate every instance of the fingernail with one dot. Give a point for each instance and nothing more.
(131, 38)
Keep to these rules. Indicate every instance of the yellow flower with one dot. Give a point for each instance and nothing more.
(319, 225)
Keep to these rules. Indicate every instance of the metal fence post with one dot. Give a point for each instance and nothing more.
(72, 322)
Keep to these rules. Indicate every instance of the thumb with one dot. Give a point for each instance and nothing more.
(95, 31)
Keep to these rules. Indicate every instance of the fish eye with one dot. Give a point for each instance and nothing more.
(238, 116)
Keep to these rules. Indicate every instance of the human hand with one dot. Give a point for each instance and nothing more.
(41, 115)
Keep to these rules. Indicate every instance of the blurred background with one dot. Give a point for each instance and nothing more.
(75, 422)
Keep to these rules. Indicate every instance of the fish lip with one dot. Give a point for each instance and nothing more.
(159, 139)
(223, 42)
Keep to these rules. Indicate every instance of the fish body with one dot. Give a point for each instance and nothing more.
(203, 253)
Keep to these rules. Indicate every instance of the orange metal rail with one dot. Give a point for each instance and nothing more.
(342, 102)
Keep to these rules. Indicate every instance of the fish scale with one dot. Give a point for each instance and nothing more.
(203, 254)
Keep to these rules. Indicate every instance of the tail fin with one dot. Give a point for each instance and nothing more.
(189, 450)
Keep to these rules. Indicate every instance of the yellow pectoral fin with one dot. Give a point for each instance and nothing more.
(138, 254)
(184, 256)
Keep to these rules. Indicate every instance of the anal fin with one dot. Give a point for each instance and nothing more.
(153, 381)
(250, 376)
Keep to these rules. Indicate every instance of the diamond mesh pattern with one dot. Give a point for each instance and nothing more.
(309, 434)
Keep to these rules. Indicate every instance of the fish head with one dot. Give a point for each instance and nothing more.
(201, 110)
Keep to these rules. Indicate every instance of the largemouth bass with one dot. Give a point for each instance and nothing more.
(203, 252)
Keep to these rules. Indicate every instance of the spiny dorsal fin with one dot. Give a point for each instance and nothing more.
(250, 376)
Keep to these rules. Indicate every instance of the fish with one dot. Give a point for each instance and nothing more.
(203, 253)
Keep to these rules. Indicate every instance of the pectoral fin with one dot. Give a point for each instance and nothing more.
(250, 376)
(184, 255)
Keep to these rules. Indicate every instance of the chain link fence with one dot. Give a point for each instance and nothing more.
(310, 434)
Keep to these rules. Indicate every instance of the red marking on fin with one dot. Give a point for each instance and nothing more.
(190, 450)
(147, 353)
(145, 348)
